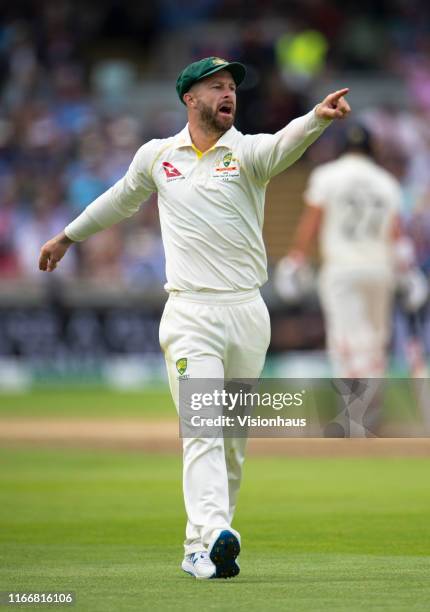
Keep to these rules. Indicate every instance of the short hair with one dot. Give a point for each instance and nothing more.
(356, 137)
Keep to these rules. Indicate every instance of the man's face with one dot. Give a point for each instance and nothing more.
(215, 100)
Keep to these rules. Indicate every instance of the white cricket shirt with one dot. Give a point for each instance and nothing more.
(211, 205)
(360, 202)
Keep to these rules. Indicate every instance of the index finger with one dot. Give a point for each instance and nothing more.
(338, 94)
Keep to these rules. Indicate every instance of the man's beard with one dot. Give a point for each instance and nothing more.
(209, 120)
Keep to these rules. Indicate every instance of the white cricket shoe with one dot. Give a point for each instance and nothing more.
(199, 565)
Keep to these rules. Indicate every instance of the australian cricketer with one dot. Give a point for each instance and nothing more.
(211, 182)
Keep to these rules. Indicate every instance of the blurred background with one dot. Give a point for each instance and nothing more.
(83, 85)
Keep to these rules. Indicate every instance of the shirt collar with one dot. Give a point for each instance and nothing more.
(183, 139)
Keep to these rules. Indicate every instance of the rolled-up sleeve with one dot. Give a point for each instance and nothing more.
(273, 153)
(122, 200)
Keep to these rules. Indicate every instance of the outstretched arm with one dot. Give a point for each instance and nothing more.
(273, 153)
(119, 202)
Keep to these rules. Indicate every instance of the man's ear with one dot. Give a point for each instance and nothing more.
(188, 98)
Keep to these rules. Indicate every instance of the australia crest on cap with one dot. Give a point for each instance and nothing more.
(217, 61)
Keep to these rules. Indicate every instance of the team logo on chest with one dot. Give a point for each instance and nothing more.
(172, 173)
(226, 160)
(226, 168)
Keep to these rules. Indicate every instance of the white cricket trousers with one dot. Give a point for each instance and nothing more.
(357, 309)
(221, 336)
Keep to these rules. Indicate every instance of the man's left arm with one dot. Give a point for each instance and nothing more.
(273, 153)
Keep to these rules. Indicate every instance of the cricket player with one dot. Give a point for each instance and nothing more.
(352, 208)
(211, 182)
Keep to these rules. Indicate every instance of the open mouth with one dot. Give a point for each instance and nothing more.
(226, 110)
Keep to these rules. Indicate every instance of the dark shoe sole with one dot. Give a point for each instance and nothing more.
(223, 555)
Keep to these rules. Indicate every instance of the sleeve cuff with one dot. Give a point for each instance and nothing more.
(320, 122)
(70, 235)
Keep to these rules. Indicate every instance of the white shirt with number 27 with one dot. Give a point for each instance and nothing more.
(360, 202)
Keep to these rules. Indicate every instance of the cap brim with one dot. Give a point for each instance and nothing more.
(237, 70)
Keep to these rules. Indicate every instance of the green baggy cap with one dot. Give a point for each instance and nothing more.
(209, 65)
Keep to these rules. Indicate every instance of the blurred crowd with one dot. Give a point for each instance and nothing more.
(59, 150)
(60, 146)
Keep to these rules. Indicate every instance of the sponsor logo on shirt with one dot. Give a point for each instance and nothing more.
(172, 173)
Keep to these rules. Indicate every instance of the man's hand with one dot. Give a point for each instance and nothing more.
(53, 251)
(334, 106)
(297, 257)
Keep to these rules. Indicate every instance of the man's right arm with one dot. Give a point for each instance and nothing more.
(122, 200)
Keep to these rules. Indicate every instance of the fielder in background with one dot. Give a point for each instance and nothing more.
(211, 182)
(352, 210)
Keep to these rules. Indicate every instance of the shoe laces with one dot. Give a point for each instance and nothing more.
(202, 557)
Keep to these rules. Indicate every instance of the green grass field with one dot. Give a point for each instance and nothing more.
(88, 403)
(332, 534)
(400, 404)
